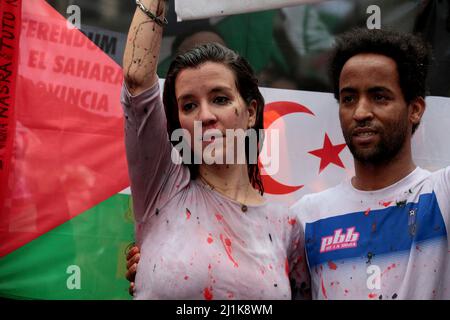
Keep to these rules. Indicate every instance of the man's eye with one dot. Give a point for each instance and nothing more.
(221, 100)
(346, 99)
(379, 97)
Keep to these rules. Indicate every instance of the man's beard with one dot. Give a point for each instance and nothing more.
(391, 140)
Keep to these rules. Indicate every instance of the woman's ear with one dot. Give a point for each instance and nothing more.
(252, 111)
(417, 110)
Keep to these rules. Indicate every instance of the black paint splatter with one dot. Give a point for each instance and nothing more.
(157, 211)
(400, 204)
(394, 296)
(370, 255)
(154, 267)
(270, 237)
(275, 285)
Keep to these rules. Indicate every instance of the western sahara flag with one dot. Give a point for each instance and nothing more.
(64, 224)
(62, 156)
(199, 9)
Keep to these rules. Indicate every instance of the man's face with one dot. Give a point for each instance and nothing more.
(373, 113)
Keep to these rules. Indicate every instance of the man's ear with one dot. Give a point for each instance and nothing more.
(252, 110)
(417, 109)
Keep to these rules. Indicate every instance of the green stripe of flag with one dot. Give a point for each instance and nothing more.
(94, 241)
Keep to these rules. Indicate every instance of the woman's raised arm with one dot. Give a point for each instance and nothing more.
(143, 44)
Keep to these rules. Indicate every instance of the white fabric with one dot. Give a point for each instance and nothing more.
(199, 9)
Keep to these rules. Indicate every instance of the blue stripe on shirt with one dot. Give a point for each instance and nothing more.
(382, 231)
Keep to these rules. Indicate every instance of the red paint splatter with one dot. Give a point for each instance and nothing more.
(227, 245)
(188, 214)
(208, 294)
(230, 295)
(332, 265)
(219, 217)
(367, 212)
(324, 291)
(270, 267)
(286, 267)
(292, 221)
(346, 291)
(385, 203)
(186, 277)
(209, 239)
(372, 295)
(209, 266)
(392, 266)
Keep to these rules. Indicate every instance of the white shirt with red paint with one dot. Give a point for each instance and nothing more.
(196, 243)
(385, 244)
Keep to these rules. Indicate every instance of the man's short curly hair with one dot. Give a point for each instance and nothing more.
(410, 52)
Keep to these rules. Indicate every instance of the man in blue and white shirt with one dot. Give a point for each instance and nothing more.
(383, 233)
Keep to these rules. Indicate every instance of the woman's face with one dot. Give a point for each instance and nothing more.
(207, 98)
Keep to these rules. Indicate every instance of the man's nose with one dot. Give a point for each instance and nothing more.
(363, 110)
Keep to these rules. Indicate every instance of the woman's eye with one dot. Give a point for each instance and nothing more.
(188, 107)
(221, 100)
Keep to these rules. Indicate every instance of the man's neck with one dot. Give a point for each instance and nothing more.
(369, 176)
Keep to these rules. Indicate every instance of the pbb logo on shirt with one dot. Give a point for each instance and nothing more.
(340, 241)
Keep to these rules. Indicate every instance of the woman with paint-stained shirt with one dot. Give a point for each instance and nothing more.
(202, 225)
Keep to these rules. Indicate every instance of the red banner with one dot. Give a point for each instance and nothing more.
(67, 145)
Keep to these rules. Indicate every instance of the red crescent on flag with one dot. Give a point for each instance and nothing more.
(272, 112)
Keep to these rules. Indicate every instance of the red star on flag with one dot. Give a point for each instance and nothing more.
(329, 154)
